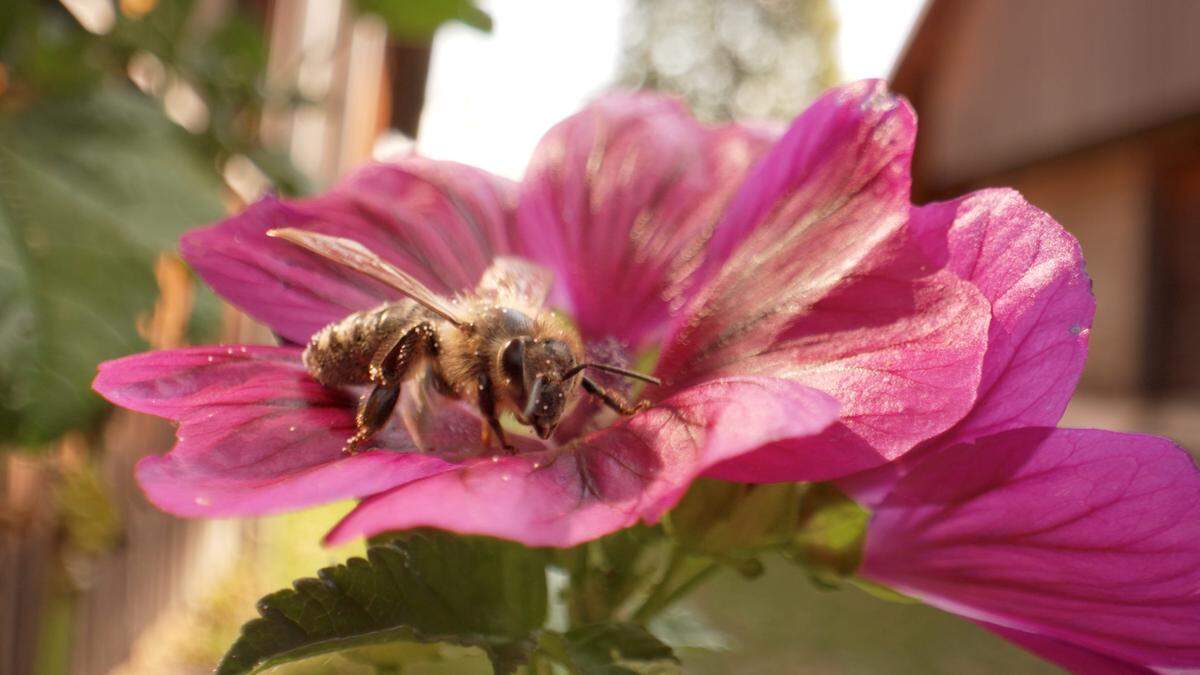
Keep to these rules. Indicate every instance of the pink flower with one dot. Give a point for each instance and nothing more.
(1082, 546)
(810, 324)
(801, 336)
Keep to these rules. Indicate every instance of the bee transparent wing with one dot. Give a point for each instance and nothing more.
(512, 281)
(356, 256)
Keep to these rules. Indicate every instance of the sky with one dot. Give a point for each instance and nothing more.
(871, 34)
(490, 97)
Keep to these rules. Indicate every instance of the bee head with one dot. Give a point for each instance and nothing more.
(538, 376)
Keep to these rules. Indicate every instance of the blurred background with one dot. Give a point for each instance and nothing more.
(123, 123)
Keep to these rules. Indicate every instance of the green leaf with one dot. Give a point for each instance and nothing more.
(417, 20)
(287, 179)
(423, 587)
(91, 190)
(610, 649)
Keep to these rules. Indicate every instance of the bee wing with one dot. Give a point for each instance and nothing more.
(356, 256)
(512, 281)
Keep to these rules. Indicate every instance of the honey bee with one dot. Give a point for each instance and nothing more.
(498, 347)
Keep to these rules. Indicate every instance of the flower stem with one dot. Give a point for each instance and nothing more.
(676, 582)
(586, 597)
(687, 586)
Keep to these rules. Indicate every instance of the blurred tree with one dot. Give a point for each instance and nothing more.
(117, 123)
(732, 59)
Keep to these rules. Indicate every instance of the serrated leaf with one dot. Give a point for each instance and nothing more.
(425, 587)
(397, 656)
(90, 191)
(611, 649)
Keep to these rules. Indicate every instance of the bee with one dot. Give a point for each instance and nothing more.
(498, 347)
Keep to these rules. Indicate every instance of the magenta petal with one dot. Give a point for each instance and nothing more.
(1031, 271)
(821, 198)
(898, 347)
(816, 285)
(256, 433)
(1087, 537)
(620, 199)
(441, 222)
(632, 471)
(178, 486)
(831, 184)
(1072, 657)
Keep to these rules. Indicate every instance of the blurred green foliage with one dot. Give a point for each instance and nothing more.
(734, 522)
(830, 534)
(417, 20)
(91, 523)
(91, 189)
(781, 624)
(96, 182)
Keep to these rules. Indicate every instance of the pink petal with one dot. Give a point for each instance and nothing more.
(634, 470)
(1086, 537)
(1074, 658)
(439, 221)
(898, 347)
(256, 433)
(835, 185)
(817, 286)
(619, 201)
(1031, 271)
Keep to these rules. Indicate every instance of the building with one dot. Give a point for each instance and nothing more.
(1091, 108)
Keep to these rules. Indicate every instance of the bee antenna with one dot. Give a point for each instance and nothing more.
(613, 369)
(534, 395)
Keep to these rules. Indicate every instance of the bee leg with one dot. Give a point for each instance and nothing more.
(388, 369)
(373, 412)
(403, 350)
(491, 421)
(612, 400)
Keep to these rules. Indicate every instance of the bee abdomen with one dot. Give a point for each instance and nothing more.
(341, 353)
